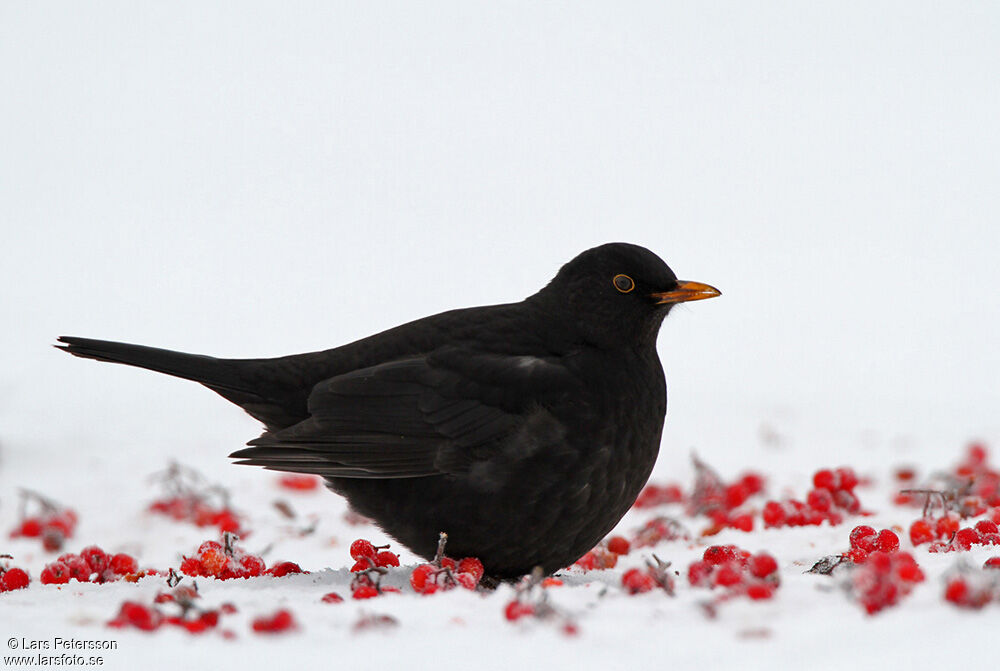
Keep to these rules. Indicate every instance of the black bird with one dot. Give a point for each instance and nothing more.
(525, 430)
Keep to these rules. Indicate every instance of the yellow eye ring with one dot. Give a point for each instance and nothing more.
(623, 283)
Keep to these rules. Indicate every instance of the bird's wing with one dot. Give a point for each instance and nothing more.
(418, 417)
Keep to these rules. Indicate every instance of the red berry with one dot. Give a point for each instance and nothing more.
(422, 579)
(55, 573)
(515, 610)
(762, 565)
(773, 514)
(718, 554)
(863, 538)
(13, 578)
(887, 541)
(992, 562)
(79, 569)
(31, 527)
(848, 480)
(987, 527)
(825, 479)
(364, 592)
(760, 590)
(332, 597)
(472, 566)
(386, 558)
(213, 561)
(754, 482)
(947, 526)
(280, 621)
(699, 573)
(742, 522)
(736, 494)
(299, 482)
(820, 499)
(138, 616)
(123, 564)
(191, 566)
(254, 566)
(362, 548)
(466, 580)
(728, 575)
(956, 590)
(966, 538)
(226, 520)
(921, 532)
(284, 568)
(618, 545)
(637, 581)
(96, 558)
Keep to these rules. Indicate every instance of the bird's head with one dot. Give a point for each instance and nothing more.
(618, 294)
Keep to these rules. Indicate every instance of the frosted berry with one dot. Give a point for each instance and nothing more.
(472, 566)
(422, 579)
(13, 578)
(386, 558)
(863, 538)
(332, 597)
(55, 573)
(887, 541)
(362, 548)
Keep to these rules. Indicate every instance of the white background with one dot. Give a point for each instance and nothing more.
(256, 179)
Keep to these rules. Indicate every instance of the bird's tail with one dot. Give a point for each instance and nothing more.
(255, 385)
(205, 369)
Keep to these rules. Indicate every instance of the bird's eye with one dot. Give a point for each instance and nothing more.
(623, 283)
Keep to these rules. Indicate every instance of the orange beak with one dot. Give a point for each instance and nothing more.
(686, 291)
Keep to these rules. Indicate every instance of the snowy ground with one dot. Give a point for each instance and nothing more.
(809, 618)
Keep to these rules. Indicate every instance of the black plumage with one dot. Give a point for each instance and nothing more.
(525, 430)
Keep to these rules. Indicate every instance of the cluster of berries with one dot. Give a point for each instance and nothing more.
(639, 580)
(971, 588)
(445, 573)
(53, 523)
(884, 579)
(831, 497)
(433, 577)
(371, 562)
(226, 561)
(970, 489)
(985, 532)
(740, 572)
(92, 565)
(190, 499)
(865, 540)
(722, 501)
(299, 482)
(12, 577)
(191, 618)
(366, 555)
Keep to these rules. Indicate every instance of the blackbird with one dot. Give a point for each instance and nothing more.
(524, 430)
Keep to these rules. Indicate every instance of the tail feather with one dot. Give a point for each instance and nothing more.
(239, 381)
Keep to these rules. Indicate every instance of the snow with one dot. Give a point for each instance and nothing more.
(265, 179)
